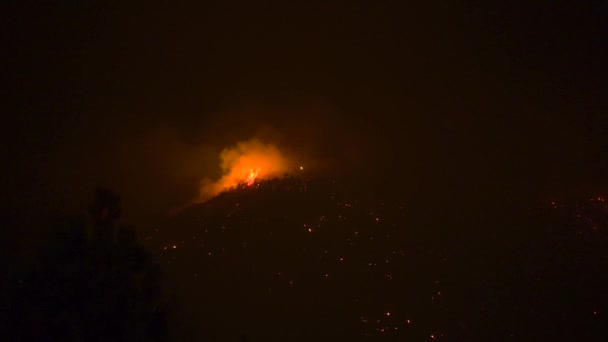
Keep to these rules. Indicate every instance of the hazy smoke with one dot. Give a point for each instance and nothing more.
(239, 162)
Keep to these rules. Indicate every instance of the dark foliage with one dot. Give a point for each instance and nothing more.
(95, 283)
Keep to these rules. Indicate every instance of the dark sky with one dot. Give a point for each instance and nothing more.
(464, 100)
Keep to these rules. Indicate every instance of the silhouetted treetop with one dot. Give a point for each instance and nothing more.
(95, 284)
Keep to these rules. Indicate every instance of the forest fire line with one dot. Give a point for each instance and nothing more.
(245, 163)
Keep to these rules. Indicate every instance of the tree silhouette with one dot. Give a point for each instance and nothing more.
(95, 284)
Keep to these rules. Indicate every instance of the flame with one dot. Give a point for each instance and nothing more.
(252, 176)
(246, 163)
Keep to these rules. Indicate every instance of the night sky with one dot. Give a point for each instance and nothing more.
(469, 131)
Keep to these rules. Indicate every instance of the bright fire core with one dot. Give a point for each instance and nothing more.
(253, 174)
(246, 163)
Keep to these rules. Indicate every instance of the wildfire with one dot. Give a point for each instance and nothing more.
(245, 163)
(252, 176)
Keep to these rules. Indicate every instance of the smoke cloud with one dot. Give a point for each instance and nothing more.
(246, 162)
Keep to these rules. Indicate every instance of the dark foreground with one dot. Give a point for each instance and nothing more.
(295, 260)
(288, 260)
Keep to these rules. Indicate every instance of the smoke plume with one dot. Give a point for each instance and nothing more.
(245, 163)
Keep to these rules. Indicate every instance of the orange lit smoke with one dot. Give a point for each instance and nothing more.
(245, 163)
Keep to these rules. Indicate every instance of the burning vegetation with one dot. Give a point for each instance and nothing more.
(245, 163)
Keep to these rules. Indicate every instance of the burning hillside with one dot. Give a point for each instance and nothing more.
(245, 163)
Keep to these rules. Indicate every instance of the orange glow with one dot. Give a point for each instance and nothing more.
(246, 163)
(252, 176)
